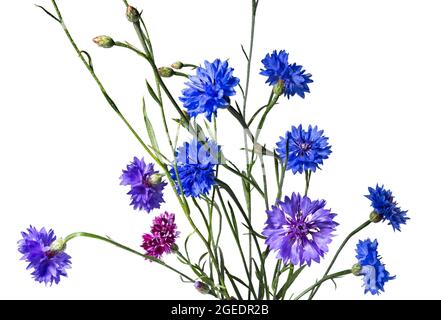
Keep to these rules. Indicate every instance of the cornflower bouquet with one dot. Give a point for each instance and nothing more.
(298, 229)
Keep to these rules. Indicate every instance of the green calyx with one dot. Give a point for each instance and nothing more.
(375, 217)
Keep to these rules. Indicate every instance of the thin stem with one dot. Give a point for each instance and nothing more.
(265, 184)
(182, 202)
(132, 48)
(325, 278)
(282, 177)
(160, 84)
(307, 180)
(237, 239)
(350, 235)
(268, 109)
(119, 245)
(254, 5)
(253, 233)
(276, 277)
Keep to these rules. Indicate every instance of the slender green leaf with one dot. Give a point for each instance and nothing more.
(256, 114)
(233, 283)
(202, 257)
(48, 13)
(244, 52)
(291, 278)
(150, 130)
(186, 244)
(89, 59)
(152, 92)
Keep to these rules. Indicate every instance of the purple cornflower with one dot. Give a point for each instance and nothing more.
(162, 236)
(146, 185)
(44, 254)
(299, 229)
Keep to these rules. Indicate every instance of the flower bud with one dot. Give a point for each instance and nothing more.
(279, 88)
(58, 245)
(375, 217)
(166, 72)
(175, 248)
(356, 268)
(177, 65)
(155, 179)
(201, 287)
(132, 14)
(104, 41)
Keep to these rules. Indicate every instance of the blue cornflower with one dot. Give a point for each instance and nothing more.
(146, 185)
(299, 229)
(293, 77)
(48, 262)
(196, 167)
(386, 207)
(306, 149)
(209, 89)
(370, 266)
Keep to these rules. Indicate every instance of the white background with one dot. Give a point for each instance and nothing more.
(376, 66)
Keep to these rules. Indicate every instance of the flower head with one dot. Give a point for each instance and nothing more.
(370, 266)
(201, 287)
(146, 189)
(299, 229)
(277, 68)
(210, 89)
(47, 265)
(195, 164)
(306, 149)
(162, 236)
(385, 206)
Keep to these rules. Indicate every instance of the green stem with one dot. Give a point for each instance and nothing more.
(119, 245)
(325, 278)
(350, 235)
(265, 183)
(189, 65)
(307, 180)
(276, 277)
(232, 223)
(114, 107)
(160, 84)
(268, 109)
(253, 233)
(254, 5)
(132, 48)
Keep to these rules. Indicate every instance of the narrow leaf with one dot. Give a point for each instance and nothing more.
(152, 92)
(244, 52)
(150, 130)
(89, 59)
(48, 13)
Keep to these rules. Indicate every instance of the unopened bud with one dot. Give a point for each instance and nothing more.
(375, 217)
(155, 179)
(166, 72)
(279, 88)
(58, 245)
(104, 41)
(201, 287)
(132, 14)
(177, 65)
